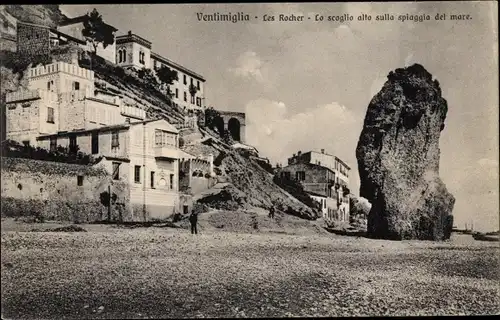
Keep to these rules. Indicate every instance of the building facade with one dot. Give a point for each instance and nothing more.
(62, 97)
(318, 182)
(188, 91)
(145, 154)
(340, 179)
(134, 51)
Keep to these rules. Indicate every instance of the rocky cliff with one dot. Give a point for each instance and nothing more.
(398, 159)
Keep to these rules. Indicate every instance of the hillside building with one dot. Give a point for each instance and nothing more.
(145, 154)
(62, 97)
(325, 178)
(134, 51)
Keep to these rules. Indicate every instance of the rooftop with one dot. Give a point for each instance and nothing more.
(169, 62)
(81, 19)
(99, 129)
(132, 37)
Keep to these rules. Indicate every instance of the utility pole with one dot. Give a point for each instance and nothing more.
(109, 202)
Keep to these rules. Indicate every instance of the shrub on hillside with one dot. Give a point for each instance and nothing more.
(296, 190)
(210, 115)
(19, 62)
(14, 149)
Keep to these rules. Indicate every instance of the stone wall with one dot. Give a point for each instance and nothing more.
(33, 39)
(58, 191)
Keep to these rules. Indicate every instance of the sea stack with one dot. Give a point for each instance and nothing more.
(398, 159)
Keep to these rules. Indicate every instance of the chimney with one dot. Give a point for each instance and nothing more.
(299, 153)
(294, 155)
(130, 32)
(323, 151)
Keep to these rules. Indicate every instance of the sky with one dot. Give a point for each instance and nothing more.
(307, 85)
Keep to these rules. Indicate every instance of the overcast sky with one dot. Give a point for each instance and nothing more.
(307, 85)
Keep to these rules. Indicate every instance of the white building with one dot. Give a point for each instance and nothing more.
(62, 97)
(145, 154)
(134, 51)
(341, 175)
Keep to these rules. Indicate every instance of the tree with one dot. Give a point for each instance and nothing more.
(96, 31)
(167, 75)
(192, 91)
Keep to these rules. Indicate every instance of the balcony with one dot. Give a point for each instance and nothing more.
(166, 152)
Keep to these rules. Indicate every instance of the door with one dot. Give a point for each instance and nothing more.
(186, 209)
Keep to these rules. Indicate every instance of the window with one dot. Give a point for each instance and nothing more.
(171, 181)
(285, 175)
(141, 57)
(198, 84)
(191, 81)
(115, 143)
(116, 170)
(192, 99)
(76, 85)
(53, 144)
(185, 96)
(79, 180)
(163, 138)
(95, 142)
(300, 175)
(176, 93)
(185, 80)
(137, 174)
(152, 179)
(72, 143)
(122, 55)
(324, 203)
(50, 115)
(155, 65)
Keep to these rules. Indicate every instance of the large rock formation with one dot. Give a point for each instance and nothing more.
(398, 159)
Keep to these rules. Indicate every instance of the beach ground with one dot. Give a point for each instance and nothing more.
(117, 272)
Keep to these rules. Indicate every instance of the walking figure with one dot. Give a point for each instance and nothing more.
(271, 212)
(193, 218)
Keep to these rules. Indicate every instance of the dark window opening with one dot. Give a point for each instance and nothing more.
(137, 174)
(185, 79)
(185, 96)
(76, 85)
(171, 181)
(50, 115)
(72, 143)
(300, 176)
(95, 142)
(176, 93)
(198, 85)
(152, 179)
(53, 144)
(115, 143)
(116, 170)
(79, 180)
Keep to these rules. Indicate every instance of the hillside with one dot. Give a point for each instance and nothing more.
(250, 186)
(44, 14)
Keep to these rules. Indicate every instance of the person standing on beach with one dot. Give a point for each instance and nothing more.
(193, 219)
(271, 212)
